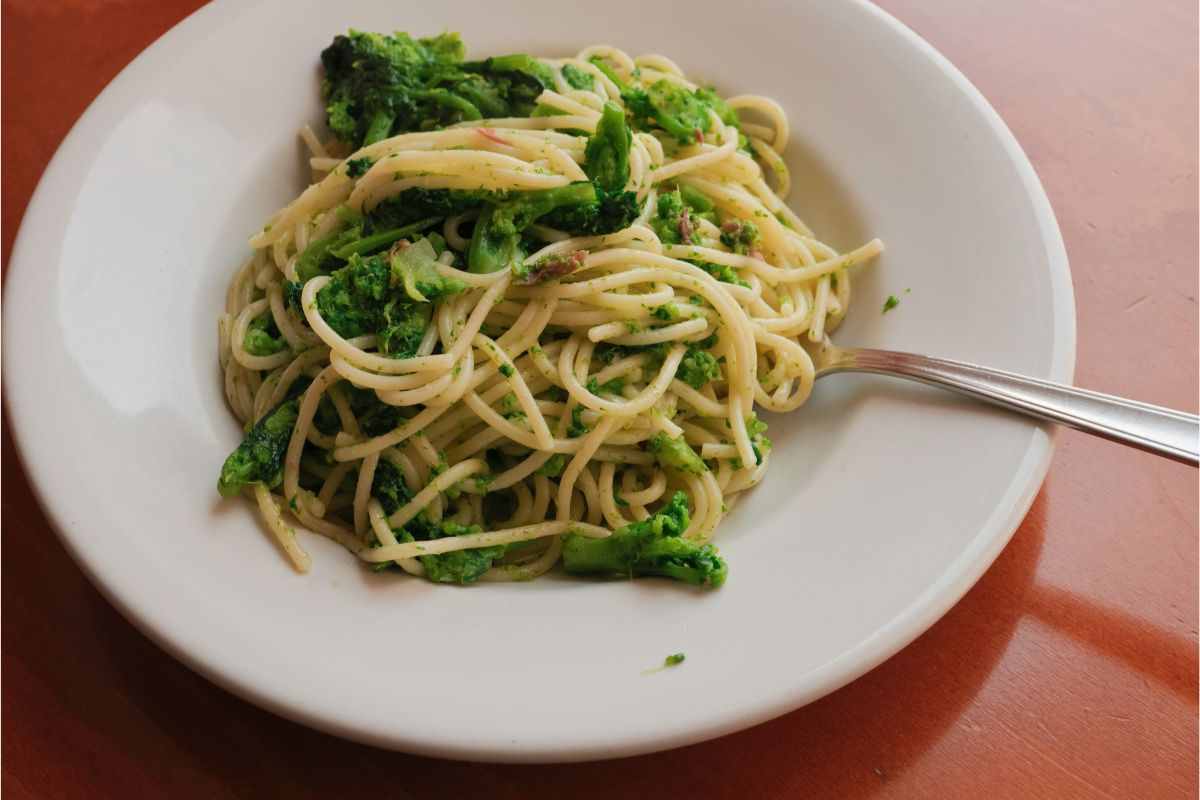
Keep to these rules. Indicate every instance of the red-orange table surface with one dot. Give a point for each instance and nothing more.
(1070, 670)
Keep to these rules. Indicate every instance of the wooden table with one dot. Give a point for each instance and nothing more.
(1070, 670)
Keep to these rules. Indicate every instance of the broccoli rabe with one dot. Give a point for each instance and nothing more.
(353, 301)
(676, 454)
(739, 236)
(415, 204)
(318, 257)
(669, 106)
(259, 458)
(697, 368)
(404, 326)
(375, 294)
(496, 242)
(388, 487)
(374, 83)
(606, 158)
(459, 566)
(672, 221)
(577, 427)
(755, 427)
(374, 416)
(415, 268)
(611, 212)
(577, 78)
(262, 337)
(357, 167)
(614, 386)
(651, 547)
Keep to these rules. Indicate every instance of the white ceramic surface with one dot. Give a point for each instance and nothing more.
(883, 505)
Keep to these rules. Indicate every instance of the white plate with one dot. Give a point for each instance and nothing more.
(883, 504)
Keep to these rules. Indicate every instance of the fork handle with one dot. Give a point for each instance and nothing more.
(1155, 429)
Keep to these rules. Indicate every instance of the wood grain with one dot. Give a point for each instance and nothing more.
(1069, 671)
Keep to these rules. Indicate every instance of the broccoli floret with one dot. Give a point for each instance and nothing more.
(682, 114)
(416, 204)
(259, 458)
(722, 272)
(353, 301)
(699, 204)
(496, 242)
(374, 84)
(739, 236)
(755, 427)
(668, 312)
(415, 268)
(515, 80)
(651, 547)
(672, 221)
(606, 159)
(291, 294)
(460, 566)
(614, 386)
(388, 487)
(357, 167)
(404, 326)
(697, 368)
(577, 78)
(612, 211)
(671, 107)
(676, 454)
(318, 258)
(374, 416)
(262, 337)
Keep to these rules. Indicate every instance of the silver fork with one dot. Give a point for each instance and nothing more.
(1154, 429)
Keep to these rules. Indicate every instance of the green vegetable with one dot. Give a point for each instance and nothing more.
(382, 239)
(259, 458)
(674, 659)
(891, 302)
(506, 370)
(669, 106)
(668, 312)
(357, 167)
(496, 242)
(389, 488)
(614, 386)
(697, 368)
(262, 337)
(404, 326)
(374, 83)
(672, 220)
(755, 427)
(651, 547)
(740, 236)
(577, 78)
(416, 204)
(699, 203)
(577, 428)
(611, 212)
(606, 159)
(676, 454)
(415, 267)
(318, 258)
(459, 566)
(374, 416)
(353, 301)
(722, 272)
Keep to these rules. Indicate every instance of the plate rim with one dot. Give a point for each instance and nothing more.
(909, 623)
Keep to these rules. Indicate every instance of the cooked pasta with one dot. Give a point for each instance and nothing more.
(447, 364)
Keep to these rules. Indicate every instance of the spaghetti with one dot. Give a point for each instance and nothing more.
(570, 394)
